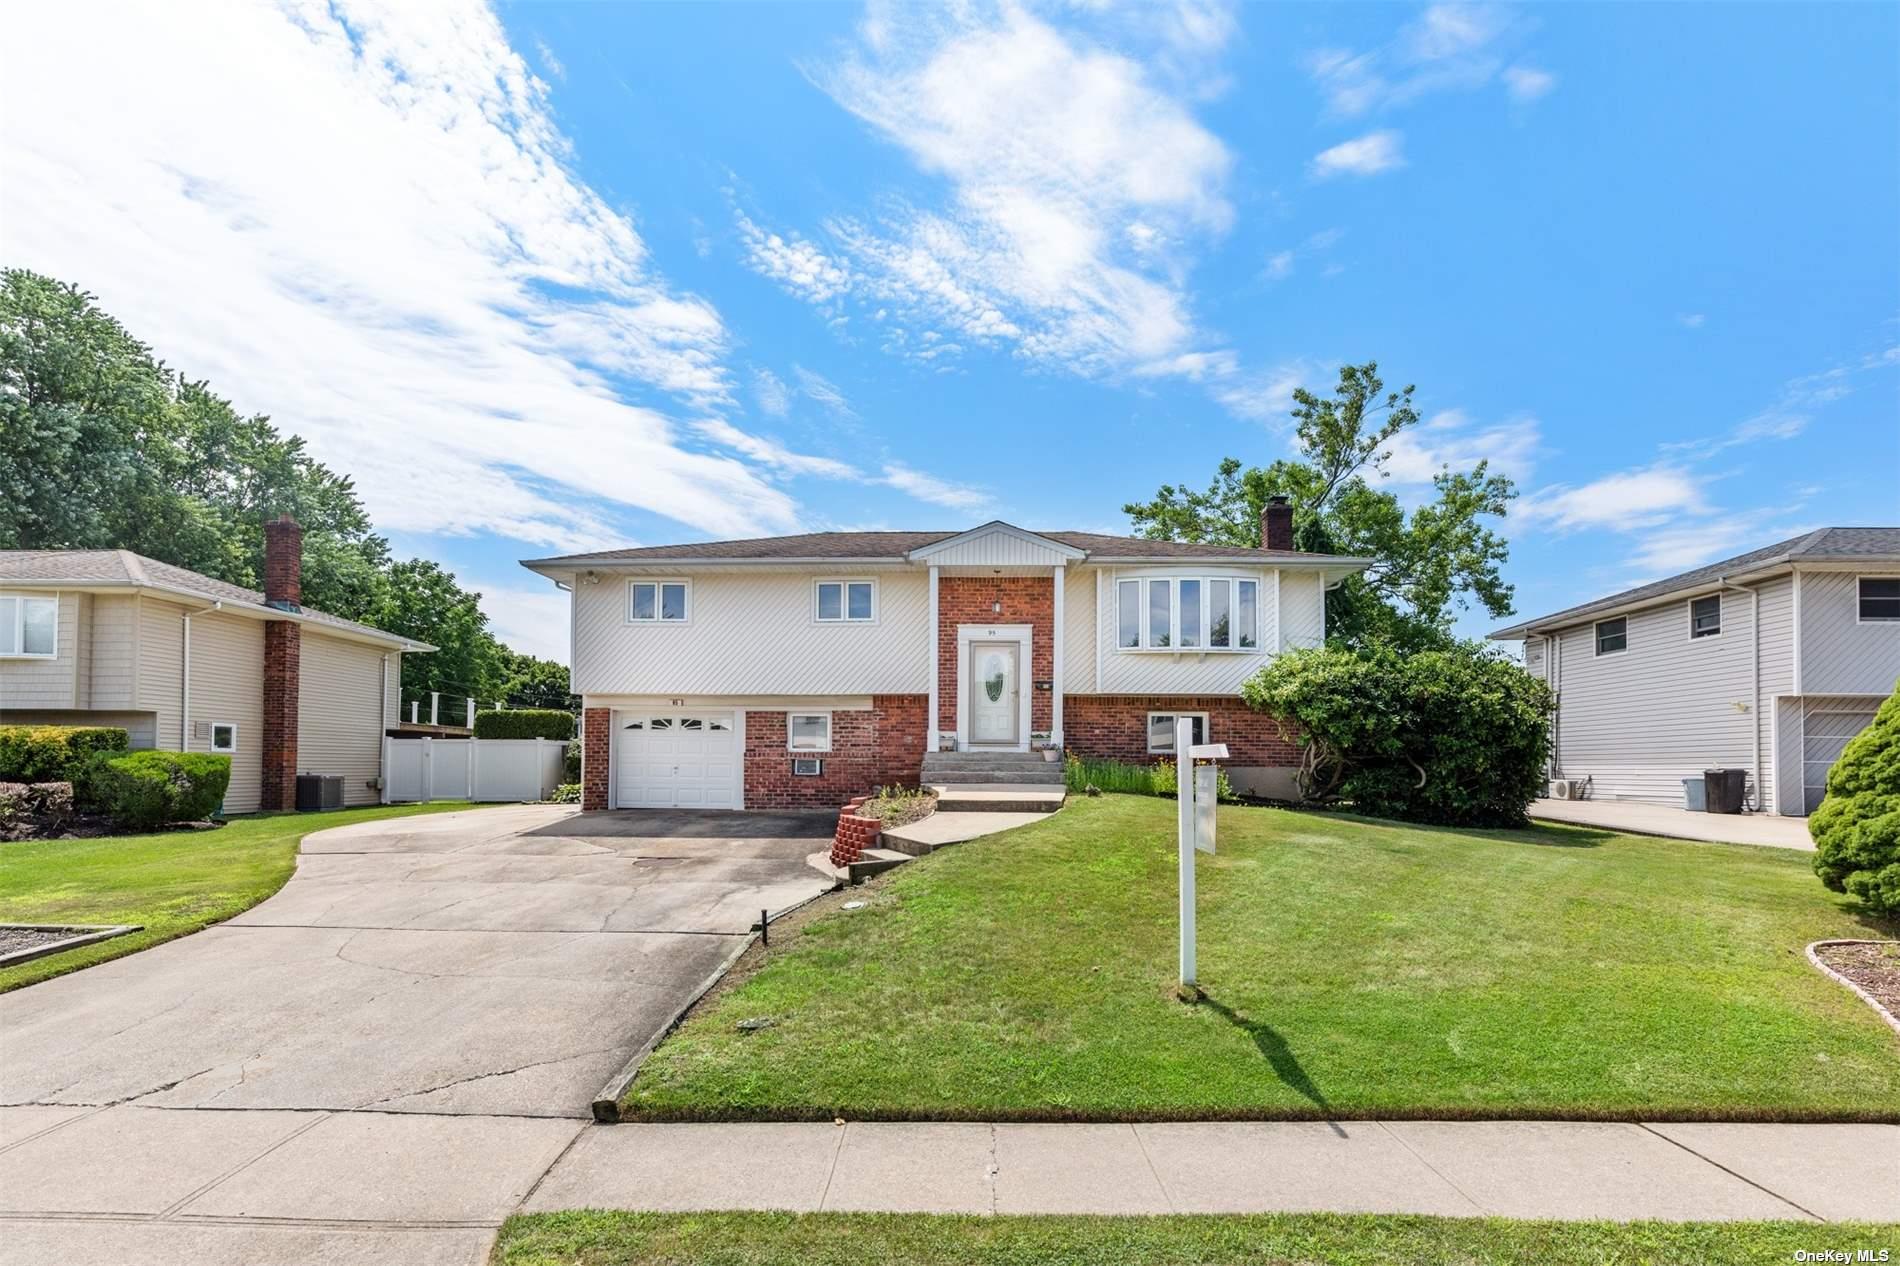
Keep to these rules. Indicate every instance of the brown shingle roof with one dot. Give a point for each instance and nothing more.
(893, 546)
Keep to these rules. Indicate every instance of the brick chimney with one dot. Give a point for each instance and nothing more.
(283, 659)
(1276, 524)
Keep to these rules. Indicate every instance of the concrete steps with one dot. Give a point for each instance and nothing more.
(876, 861)
(983, 767)
(996, 797)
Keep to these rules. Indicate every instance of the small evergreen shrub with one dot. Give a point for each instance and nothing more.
(566, 793)
(53, 753)
(143, 791)
(1456, 737)
(525, 723)
(1856, 827)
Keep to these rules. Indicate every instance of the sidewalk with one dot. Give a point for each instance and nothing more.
(1656, 819)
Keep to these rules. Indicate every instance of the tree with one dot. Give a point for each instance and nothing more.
(528, 682)
(1426, 564)
(1856, 829)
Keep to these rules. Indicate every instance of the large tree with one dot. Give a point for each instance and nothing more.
(1428, 561)
(102, 446)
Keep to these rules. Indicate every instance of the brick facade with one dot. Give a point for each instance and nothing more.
(1115, 727)
(283, 655)
(869, 749)
(597, 736)
(975, 600)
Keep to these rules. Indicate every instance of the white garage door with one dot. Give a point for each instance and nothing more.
(676, 760)
(1825, 729)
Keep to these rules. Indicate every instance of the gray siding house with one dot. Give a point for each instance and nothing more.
(1769, 661)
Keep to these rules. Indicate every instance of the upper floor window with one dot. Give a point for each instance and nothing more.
(1705, 616)
(1613, 635)
(1880, 597)
(29, 627)
(658, 601)
(1190, 613)
(847, 601)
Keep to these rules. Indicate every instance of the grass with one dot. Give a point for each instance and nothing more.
(593, 1238)
(1352, 969)
(171, 883)
(1080, 773)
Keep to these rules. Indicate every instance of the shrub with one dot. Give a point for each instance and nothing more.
(146, 790)
(525, 723)
(53, 753)
(1856, 827)
(1457, 736)
(566, 793)
(571, 764)
(1158, 779)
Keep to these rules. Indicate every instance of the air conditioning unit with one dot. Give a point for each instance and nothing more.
(1566, 789)
(808, 767)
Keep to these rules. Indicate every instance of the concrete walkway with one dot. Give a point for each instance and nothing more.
(1655, 819)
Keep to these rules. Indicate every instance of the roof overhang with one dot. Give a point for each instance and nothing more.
(1589, 613)
(235, 606)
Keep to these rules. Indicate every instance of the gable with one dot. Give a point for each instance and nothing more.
(997, 544)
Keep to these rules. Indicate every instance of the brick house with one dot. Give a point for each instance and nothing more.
(797, 671)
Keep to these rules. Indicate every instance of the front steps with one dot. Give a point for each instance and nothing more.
(998, 797)
(979, 766)
(978, 793)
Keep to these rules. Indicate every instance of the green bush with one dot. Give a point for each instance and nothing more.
(53, 753)
(525, 723)
(571, 763)
(1457, 737)
(1082, 772)
(143, 791)
(1856, 828)
(566, 793)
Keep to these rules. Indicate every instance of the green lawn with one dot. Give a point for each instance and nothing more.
(171, 883)
(1352, 968)
(862, 1239)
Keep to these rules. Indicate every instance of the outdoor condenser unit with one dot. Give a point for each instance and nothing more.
(1566, 789)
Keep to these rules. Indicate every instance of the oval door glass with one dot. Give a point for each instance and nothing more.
(995, 695)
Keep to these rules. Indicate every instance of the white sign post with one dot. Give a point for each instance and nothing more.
(1195, 796)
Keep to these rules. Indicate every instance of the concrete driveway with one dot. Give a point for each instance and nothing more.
(421, 1017)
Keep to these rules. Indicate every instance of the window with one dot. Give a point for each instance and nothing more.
(1128, 600)
(1879, 598)
(1705, 616)
(1190, 613)
(847, 601)
(808, 731)
(1161, 729)
(692, 723)
(657, 601)
(223, 736)
(29, 627)
(1613, 636)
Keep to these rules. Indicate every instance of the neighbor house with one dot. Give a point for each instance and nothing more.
(1769, 661)
(187, 663)
(795, 671)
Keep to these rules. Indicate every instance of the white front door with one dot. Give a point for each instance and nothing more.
(994, 692)
(676, 760)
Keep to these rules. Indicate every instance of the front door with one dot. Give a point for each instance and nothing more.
(994, 692)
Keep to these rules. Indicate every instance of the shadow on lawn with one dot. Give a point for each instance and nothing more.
(1286, 1066)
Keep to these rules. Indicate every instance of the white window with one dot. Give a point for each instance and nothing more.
(1161, 730)
(658, 601)
(847, 601)
(29, 627)
(808, 731)
(1705, 616)
(1613, 636)
(223, 736)
(1879, 598)
(1189, 613)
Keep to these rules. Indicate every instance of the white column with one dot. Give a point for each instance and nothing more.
(1055, 686)
(936, 652)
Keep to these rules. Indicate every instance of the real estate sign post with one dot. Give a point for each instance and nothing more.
(1194, 823)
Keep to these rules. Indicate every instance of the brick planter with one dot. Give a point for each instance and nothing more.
(855, 834)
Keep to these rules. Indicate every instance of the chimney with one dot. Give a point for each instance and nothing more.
(283, 563)
(1276, 524)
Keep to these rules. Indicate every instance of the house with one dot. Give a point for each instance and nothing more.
(1769, 661)
(187, 663)
(796, 671)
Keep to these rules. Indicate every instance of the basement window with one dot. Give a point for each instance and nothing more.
(1705, 616)
(1161, 730)
(223, 736)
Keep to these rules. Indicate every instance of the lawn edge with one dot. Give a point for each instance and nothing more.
(1880, 1008)
(1662, 1115)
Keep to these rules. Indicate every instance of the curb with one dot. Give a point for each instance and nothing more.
(82, 934)
(1893, 1021)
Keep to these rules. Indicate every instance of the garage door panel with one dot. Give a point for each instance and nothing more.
(678, 760)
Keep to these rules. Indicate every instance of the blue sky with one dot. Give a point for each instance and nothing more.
(568, 276)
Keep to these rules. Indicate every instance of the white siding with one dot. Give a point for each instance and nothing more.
(754, 634)
(998, 549)
(113, 632)
(339, 712)
(1534, 658)
(1840, 655)
(1302, 610)
(160, 640)
(1080, 620)
(45, 683)
(1777, 673)
(227, 674)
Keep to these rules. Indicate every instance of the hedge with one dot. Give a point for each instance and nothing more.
(525, 723)
(53, 753)
(147, 790)
(1856, 828)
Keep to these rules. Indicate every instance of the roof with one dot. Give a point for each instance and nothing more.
(1824, 545)
(120, 568)
(897, 546)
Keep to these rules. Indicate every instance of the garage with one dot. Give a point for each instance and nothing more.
(677, 760)
(1826, 726)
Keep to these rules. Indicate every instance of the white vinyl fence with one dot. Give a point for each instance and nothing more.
(471, 769)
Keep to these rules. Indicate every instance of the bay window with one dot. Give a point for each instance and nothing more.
(1187, 613)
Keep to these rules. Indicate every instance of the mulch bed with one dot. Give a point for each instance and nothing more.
(1873, 965)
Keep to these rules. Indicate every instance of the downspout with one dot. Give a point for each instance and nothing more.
(1754, 705)
(184, 674)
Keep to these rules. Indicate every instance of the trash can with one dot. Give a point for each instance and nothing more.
(1695, 796)
(1724, 789)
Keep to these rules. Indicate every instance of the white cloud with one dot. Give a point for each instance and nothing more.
(1528, 83)
(1691, 320)
(772, 453)
(1663, 553)
(532, 619)
(549, 62)
(794, 263)
(773, 396)
(821, 390)
(1625, 501)
(1280, 266)
(1448, 48)
(1366, 155)
(1417, 454)
(936, 491)
(1265, 396)
(384, 247)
